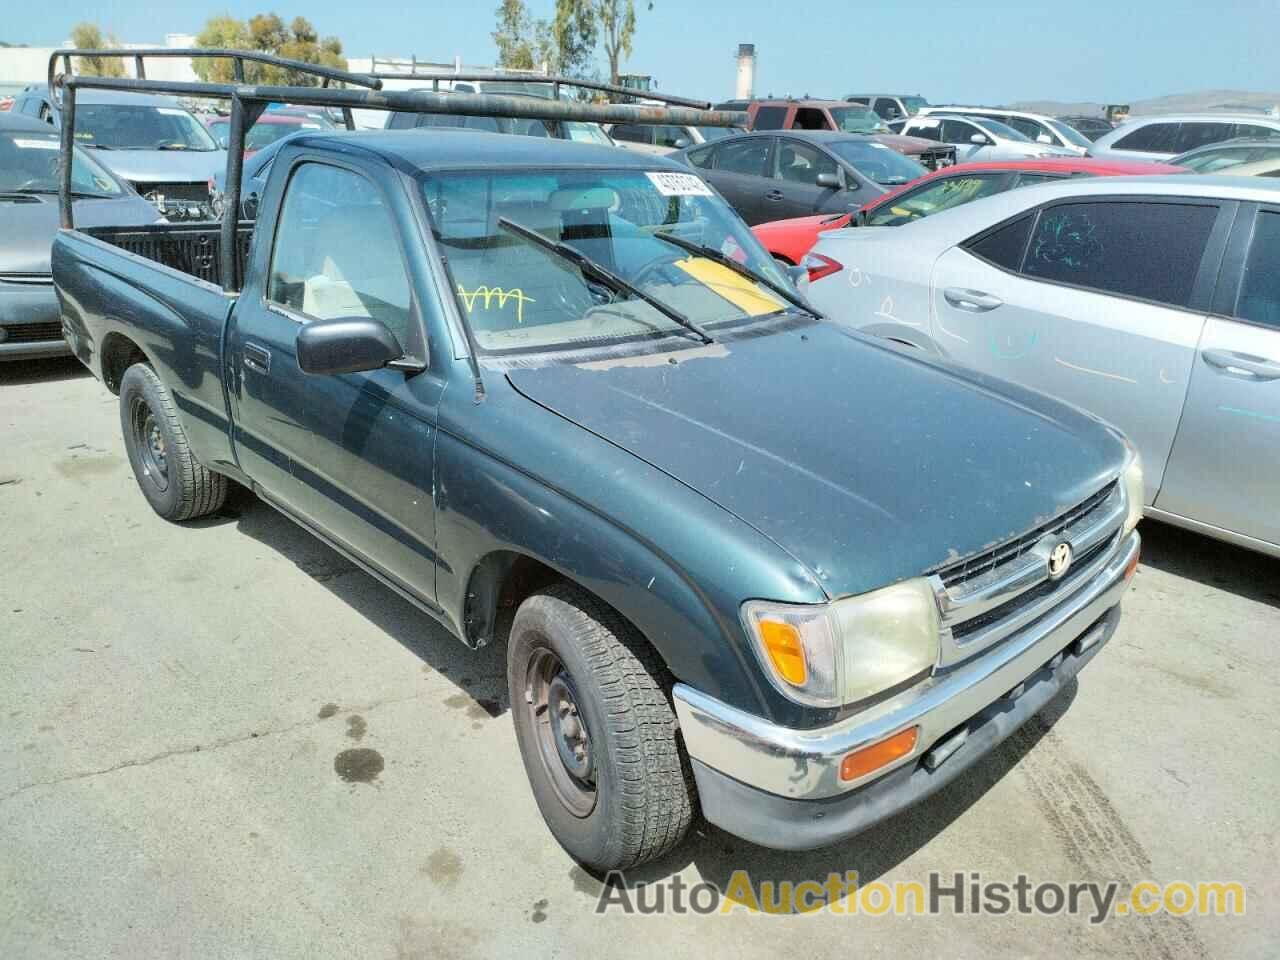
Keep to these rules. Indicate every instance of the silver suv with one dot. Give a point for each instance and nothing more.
(1034, 126)
(1159, 138)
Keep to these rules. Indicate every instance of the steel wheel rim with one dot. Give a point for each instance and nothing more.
(561, 733)
(148, 440)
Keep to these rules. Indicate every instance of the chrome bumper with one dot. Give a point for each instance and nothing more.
(805, 764)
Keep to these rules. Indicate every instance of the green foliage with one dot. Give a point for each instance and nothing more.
(618, 26)
(515, 36)
(87, 36)
(268, 33)
(567, 42)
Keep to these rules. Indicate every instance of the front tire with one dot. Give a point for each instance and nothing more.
(597, 731)
(175, 483)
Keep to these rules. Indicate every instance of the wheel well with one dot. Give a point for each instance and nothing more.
(118, 354)
(501, 580)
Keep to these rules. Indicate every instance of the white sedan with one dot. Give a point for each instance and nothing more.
(1153, 302)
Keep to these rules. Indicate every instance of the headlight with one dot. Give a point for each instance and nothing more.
(832, 654)
(1134, 490)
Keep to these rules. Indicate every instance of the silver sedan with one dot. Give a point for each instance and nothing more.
(1153, 302)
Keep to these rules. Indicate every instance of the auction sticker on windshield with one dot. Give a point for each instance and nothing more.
(679, 184)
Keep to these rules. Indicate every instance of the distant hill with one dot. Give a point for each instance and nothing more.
(1199, 102)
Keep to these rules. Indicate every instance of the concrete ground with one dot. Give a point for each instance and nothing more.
(178, 705)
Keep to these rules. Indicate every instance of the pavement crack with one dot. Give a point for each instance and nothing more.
(206, 748)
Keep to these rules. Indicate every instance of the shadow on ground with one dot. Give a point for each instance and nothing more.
(36, 371)
(1211, 562)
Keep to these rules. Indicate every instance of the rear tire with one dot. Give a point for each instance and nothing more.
(597, 731)
(175, 483)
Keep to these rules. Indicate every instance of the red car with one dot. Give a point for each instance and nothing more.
(271, 126)
(790, 240)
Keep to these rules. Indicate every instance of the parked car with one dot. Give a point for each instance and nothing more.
(979, 138)
(565, 381)
(577, 130)
(790, 240)
(1036, 127)
(843, 117)
(151, 141)
(1090, 127)
(1219, 157)
(662, 139)
(270, 127)
(29, 318)
(1258, 168)
(890, 106)
(770, 176)
(1164, 137)
(1153, 302)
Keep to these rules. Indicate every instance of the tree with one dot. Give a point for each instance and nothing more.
(267, 33)
(572, 35)
(87, 36)
(618, 24)
(514, 36)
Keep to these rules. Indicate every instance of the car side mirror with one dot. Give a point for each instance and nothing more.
(830, 181)
(1044, 138)
(979, 140)
(681, 143)
(345, 345)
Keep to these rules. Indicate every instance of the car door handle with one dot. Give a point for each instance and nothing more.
(1244, 365)
(975, 301)
(256, 358)
(773, 195)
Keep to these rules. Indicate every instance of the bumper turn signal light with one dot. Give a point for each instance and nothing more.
(872, 758)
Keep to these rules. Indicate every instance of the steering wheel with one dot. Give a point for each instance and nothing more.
(653, 266)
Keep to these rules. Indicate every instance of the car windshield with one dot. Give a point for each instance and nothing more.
(913, 104)
(29, 163)
(857, 120)
(1208, 161)
(715, 133)
(519, 296)
(1070, 133)
(131, 126)
(877, 162)
(261, 134)
(1001, 130)
(931, 198)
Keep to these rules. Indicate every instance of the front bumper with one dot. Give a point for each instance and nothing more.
(781, 788)
(30, 325)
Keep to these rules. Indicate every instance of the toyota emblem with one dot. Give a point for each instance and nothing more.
(1059, 560)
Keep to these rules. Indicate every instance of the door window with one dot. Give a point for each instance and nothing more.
(1192, 135)
(1150, 138)
(933, 197)
(769, 118)
(958, 131)
(808, 118)
(336, 254)
(926, 128)
(669, 136)
(1146, 250)
(798, 162)
(744, 157)
(1255, 132)
(701, 157)
(1004, 245)
(1259, 299)
(887, 108)
(632, 133)
(1031, 179)
(1028, 128)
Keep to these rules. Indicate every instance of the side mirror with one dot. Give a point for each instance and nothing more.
(979, 140)
(1044, 138)
(830, 181)
(345, 345)
(681, 143)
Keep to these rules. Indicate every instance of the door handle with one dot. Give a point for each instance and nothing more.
(773, 195)
(256, 358)
(1244, 365)
(975, 301)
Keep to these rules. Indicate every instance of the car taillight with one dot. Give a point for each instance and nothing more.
(820, 266)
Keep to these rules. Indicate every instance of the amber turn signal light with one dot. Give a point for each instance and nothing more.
(782, 643)
(872, 758)
(1132, 566)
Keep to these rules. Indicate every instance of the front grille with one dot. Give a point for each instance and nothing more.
(965, 570)
(935, 158)
(198, 191)
(31, 332)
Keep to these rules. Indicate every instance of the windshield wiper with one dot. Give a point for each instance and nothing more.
(50, 191)
(711, 253)
(603, 274)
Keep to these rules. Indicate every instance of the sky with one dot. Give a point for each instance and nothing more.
(987, 52)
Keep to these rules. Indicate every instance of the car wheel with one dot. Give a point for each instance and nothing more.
(175, 483)
(597, 731)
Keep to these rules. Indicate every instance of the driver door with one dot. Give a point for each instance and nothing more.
(353, 454)
(795, 191)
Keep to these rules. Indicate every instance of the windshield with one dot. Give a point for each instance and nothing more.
(129, 126)
(519, 296)
(877, 162)
(1070, 133)
(1002, 130)
(715, 133)
(913, 104)
(857, 120)
(29, 163)
(931, 198)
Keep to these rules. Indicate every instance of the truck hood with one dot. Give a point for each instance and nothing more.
(28, 225)
(866, 465)
(162, 166)
(911, 146)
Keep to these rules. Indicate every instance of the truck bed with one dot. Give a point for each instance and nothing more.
(193, 248)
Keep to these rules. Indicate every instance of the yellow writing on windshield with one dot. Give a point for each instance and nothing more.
(491, 295)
